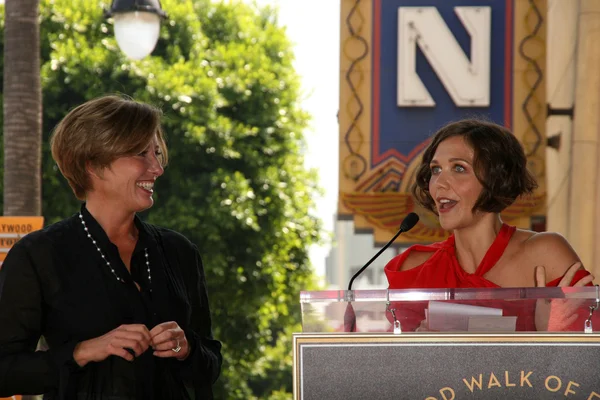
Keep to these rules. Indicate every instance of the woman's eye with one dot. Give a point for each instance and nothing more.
(435, 169)
(459, 168)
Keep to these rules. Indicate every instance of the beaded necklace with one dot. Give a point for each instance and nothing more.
(85, 228)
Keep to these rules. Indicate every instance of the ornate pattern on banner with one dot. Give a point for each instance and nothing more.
(383, 126)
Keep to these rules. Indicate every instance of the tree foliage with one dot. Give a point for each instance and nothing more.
(236, 184)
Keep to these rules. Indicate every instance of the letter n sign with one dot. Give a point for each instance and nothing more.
(436, 61)
(466, 79)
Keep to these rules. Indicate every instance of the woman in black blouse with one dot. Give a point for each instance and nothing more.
(121, 303)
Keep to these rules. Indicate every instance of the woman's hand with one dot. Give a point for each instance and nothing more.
(558, 314)
(423, 327)
(117, 342)
(168, 340)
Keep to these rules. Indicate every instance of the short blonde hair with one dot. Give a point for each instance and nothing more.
(98, 132)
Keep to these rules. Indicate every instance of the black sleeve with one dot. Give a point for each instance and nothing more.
(22, 369)
(204, 362)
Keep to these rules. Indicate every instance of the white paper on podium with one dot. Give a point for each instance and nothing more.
(492, 324)
(443, 316)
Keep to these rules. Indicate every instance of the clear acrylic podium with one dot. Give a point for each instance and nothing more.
(450, 344)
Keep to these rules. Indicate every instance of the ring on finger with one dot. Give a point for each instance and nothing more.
(177, 348)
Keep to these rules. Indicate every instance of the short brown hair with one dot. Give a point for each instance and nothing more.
(100, 131)
(499, 163)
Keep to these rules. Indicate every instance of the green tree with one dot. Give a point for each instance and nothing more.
(236, 184)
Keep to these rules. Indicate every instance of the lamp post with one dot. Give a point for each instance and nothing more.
(137, 25)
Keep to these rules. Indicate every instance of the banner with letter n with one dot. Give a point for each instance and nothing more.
(407, 68)
(446, 366)
(14, 228)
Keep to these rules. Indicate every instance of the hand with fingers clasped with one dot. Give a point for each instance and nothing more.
(558, 314)
(168, 340)
(118, 342)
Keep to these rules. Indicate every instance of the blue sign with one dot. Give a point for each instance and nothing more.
(402, 132)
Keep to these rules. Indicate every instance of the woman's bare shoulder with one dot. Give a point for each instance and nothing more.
(416, 258)
(522, 235)
(551, 250)
(547, 243)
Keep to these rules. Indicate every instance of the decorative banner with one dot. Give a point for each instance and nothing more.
(408, 67)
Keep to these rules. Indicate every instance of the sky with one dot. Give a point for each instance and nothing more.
(313, 26)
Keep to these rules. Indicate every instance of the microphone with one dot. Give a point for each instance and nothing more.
(407, 224)
(349, 316)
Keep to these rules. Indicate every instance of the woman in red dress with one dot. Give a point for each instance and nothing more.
(471, 171)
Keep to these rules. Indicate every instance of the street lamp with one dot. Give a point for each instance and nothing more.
(137, 25)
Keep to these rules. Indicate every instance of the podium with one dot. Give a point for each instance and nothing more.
(449, 344)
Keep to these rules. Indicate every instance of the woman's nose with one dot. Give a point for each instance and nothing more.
(155, 166)
(441, 180)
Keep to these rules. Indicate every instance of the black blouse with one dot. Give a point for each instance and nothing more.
(54, 282)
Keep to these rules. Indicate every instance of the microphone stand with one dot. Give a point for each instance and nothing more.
(349, 315)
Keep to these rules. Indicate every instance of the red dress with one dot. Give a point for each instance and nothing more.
(442, 270)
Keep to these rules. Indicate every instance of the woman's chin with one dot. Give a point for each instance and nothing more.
(448, 224)
(144, 205)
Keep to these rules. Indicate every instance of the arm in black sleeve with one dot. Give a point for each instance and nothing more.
(22, 369)
(205, 355)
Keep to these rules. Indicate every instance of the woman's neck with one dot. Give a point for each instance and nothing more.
(118, 226)
(473, 242)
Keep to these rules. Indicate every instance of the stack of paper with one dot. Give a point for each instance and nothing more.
(444, 316)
